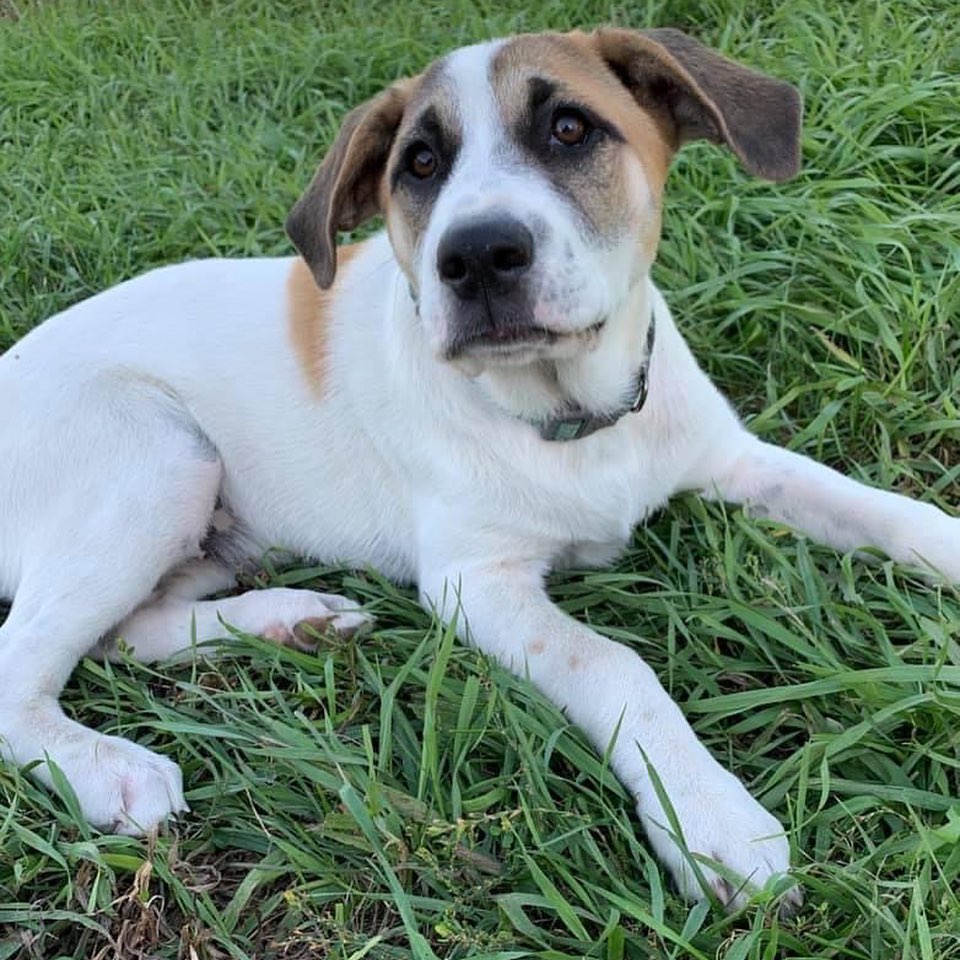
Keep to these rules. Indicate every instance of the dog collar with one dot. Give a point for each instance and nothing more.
(577, 423)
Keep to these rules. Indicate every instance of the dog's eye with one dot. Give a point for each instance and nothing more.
(422, 161)
(569, 127)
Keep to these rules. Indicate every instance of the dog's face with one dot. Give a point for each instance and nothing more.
(522, 198)
(521, 180)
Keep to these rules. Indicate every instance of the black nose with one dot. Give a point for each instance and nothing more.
(493, 253)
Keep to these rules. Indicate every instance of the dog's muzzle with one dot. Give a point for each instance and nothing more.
(485, 262)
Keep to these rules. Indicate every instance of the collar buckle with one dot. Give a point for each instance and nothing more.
(564, 429)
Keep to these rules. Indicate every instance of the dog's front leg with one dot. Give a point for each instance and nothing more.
(832, 508)
(615, 698)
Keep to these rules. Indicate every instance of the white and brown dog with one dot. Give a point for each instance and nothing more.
(490, 388)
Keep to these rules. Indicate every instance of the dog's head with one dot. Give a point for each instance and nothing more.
(521, 179)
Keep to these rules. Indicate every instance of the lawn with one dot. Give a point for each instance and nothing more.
(401, 796)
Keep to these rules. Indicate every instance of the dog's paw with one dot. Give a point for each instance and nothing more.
(300, 618)
(736, 844)
(937, 546)
(121, 787)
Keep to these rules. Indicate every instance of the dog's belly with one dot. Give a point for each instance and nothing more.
(334, 508)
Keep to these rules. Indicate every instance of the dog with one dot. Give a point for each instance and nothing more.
(489, 388)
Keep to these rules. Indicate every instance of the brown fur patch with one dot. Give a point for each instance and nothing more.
(573, 64)
(308, 314)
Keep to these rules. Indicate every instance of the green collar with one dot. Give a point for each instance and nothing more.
(576, 423)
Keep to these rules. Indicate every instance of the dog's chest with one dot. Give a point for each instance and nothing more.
(593, 502)
(578, 502)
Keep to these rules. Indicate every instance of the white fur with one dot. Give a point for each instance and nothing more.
(136, 409)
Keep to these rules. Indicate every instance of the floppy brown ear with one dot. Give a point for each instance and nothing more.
(344, 193)
(710, 97)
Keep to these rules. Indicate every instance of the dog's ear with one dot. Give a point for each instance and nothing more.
(709, 97)
(344, 193)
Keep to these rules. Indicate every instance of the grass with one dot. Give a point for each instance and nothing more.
(401, 796)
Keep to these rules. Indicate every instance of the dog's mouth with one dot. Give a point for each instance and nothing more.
(513, 340)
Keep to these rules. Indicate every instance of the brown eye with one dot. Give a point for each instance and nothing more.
(569, 128)
(423, 162)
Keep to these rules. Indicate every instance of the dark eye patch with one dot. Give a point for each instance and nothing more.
(426, 133)
(545, 100)
(540, 91)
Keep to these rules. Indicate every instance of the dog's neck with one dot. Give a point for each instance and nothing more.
(598, 385)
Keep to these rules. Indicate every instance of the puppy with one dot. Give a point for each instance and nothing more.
(489, 388)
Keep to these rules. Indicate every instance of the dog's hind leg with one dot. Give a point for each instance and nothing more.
(123, 495)
(175, 616)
